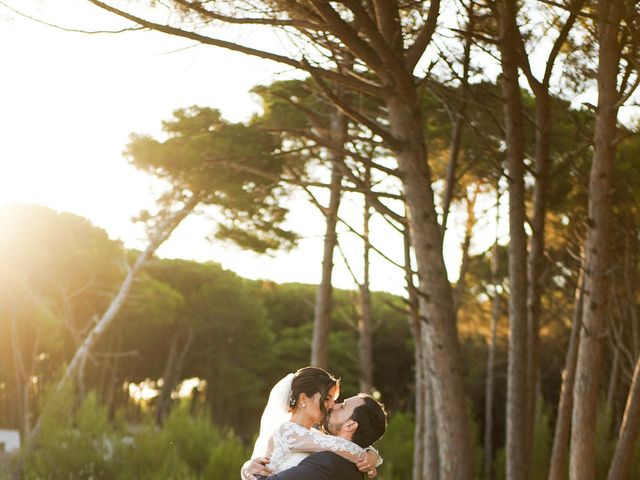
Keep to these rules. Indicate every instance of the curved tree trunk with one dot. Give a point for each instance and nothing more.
(588, 374)
(162, 232)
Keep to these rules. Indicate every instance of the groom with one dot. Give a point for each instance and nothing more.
(360, 419)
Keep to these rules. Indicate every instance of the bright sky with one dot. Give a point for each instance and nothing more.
(70, 100)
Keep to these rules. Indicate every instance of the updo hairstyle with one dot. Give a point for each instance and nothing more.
(312, 380)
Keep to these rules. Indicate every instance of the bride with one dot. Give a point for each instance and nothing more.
(297, 403)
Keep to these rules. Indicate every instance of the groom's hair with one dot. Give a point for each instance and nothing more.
(372, 421)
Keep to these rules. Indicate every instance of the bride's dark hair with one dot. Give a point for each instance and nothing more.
(312, 380)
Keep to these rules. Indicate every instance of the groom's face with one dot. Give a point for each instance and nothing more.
(341, 413)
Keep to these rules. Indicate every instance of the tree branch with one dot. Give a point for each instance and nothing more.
(349, 37)
(359, 85)
(199, 8)
(415, 51)
(354, 115)
(65, 29)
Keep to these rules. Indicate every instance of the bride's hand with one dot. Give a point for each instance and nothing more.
(257, 466)
(373, 473)
(368, 462)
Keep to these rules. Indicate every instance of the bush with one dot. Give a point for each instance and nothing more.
(542, 443)
(187, 447)
(149, 455)
(83, 444)
(605, 443)
(396, 447)
(73, 444)
(226, 458)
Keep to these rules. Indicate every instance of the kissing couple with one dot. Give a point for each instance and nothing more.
(289, 448)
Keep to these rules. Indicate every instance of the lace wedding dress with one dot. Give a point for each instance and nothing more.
(291, 443)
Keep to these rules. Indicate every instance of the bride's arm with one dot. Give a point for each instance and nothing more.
(302, 440)
(257, 466)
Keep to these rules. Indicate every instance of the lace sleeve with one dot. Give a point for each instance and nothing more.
(299, 439)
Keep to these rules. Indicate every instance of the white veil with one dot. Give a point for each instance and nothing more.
(275, 414)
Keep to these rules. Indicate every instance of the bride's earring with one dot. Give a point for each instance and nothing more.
(304, 405)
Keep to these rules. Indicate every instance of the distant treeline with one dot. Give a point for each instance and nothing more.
(186, 319)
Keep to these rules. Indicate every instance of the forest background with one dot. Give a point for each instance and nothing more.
(409, 120)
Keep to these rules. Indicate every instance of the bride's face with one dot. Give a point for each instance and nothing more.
(331, 398)
(313, 408)
(313, 404)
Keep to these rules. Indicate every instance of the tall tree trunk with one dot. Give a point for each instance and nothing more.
(628, 435)
(420, 411)
(365, 323)
(537, 259)
(517, 467)
(458, 127)
(431, 466)
(324, 294)
(365, 340)
(162, 403)
(419, 435)
(588, 377)
(440, 335)
(560, 450)
(172, 371)
(466, 245)
(613, 383)
(495, 318)
(111, 375)
(426, 463)
(20, 373)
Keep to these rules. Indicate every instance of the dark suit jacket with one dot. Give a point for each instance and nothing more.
(320, 466)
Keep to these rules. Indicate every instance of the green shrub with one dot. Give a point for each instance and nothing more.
(187, 447)
(500, 464)
(192, 437)
(149, 455)
(226, 458)
(542, 443)
(396, 447)
(605, 443)
(73, 443)
(82, 444)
